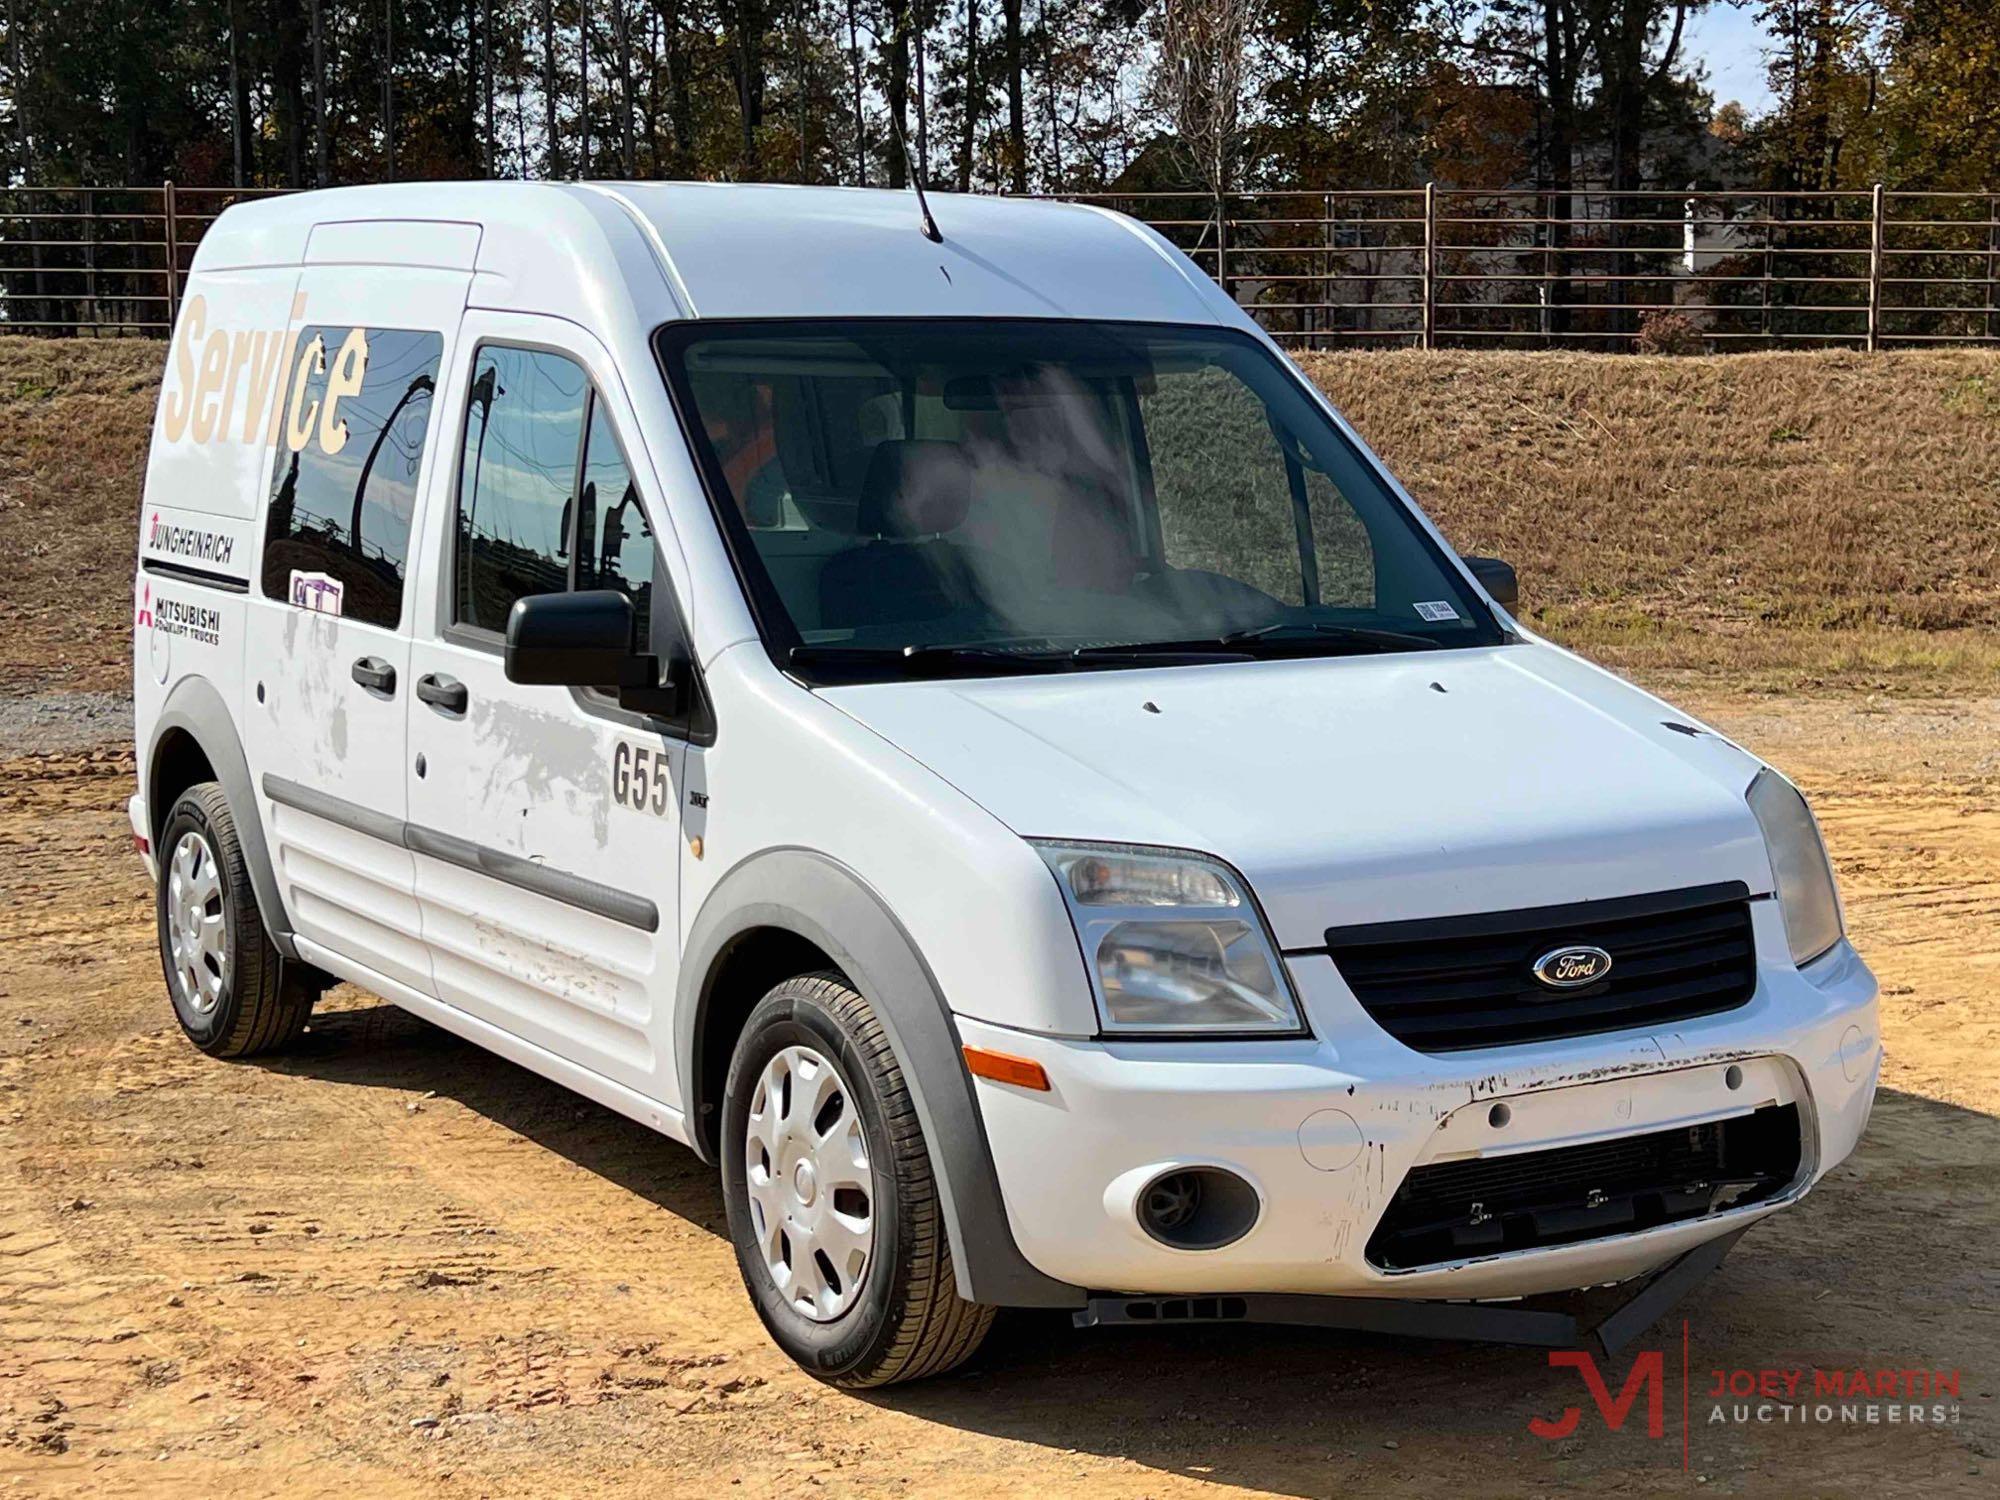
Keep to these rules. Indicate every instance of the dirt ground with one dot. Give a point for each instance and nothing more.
(391, 1264)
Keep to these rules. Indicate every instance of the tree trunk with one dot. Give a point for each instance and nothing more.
(802, 83)
(1627, 87)
(321, 177)
(23, 151)
(655, 68)
(923, 104)
(860, 117)
(621, 36)
(1049, 90)
(899, 91)
(680, 104)
(239, 101)
(750, 81)
(968, 123)
(288, 85)
(490, 153)
(1017, 125)
(1559, 87)
(389, 90)
(553, 165)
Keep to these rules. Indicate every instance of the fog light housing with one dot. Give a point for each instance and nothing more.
(1197, 1208)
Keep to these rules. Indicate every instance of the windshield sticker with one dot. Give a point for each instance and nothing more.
(319, 592)
(1435, 610)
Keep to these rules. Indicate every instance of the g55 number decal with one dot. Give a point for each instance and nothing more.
(639, 779)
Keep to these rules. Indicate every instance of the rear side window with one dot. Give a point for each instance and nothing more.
(351, 432)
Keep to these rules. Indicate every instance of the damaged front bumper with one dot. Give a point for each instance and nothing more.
(1467, 1322)
(1327, 1131)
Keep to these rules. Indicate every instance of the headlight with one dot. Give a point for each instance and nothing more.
(1806, 895)
(1173, 941)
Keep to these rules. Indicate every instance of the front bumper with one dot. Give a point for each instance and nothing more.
(1326, 1130)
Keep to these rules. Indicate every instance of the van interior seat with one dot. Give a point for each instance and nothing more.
(915, 492)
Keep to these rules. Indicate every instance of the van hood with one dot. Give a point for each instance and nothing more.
(1352, 789)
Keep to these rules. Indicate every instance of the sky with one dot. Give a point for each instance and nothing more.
(1732, 44)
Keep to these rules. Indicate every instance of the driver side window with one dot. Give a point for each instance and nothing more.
(538, 441)
(614, 548)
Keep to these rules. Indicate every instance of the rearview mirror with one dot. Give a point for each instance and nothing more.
(1497, 578)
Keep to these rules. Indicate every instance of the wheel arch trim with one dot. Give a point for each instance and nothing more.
(196, 709)
(814, 897)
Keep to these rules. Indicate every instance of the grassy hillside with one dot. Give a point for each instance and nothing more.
(1784, 516)
(74, 421)
(1785, 519)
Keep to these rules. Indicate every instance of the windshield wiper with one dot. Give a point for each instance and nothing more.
(921, 658)
(1363, 636)
(1158, 653)
(944, 657)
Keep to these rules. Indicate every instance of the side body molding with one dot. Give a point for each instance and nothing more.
(821, 900)
(196, 709)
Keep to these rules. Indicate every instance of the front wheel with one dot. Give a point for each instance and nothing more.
(831, 1202)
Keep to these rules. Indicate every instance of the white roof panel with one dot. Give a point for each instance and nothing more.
(721, 250)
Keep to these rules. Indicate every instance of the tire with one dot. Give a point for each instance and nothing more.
(900, 1318)
(233, 993)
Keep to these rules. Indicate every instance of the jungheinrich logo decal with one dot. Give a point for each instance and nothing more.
(1573, 967)
(191, 542)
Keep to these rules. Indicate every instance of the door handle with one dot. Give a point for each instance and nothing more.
(374, 674)
(447, 693)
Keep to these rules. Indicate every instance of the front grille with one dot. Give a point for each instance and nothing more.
(1535, 1199)
(1451, 983)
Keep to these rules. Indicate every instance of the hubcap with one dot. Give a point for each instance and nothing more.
(812, 1195)
(197, 935)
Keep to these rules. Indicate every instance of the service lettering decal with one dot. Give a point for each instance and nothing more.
(226, 385)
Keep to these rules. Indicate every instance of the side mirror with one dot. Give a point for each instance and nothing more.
(571, 640)
(1495, 576)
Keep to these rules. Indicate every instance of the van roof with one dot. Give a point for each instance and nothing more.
(723, 250)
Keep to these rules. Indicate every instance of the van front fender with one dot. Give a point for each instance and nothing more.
(823, 902)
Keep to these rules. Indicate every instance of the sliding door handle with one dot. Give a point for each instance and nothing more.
(374, 674)
(446, 693)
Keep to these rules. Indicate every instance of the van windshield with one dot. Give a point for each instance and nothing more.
(988, 496)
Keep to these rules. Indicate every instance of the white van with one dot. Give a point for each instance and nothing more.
(948, 724)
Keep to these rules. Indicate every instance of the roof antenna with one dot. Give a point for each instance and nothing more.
(931, 230)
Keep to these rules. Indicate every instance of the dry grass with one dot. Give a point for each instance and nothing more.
(1793, 518)
(75, 417)
(1784, 520)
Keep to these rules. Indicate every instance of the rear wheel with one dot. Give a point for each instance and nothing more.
(831, 1202)
(233, 992)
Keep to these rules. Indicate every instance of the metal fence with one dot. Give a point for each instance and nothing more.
(1431, 267)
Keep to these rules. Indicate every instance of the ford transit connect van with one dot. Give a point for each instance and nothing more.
(949, 725)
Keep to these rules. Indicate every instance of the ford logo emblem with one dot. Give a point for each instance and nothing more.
(1573, 967)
